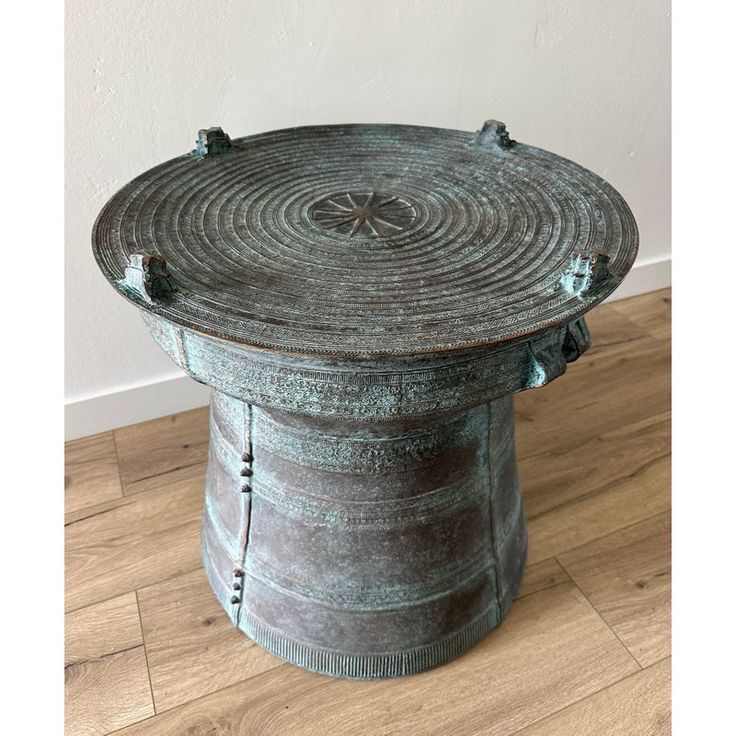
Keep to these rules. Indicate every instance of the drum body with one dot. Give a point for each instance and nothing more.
(363, 549)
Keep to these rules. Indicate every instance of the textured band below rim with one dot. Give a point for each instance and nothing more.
(371, 666)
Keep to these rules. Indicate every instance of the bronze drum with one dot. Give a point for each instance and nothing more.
(364, 301)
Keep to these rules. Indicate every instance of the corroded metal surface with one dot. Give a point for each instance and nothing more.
(363, 551)
(364, 301)
(491, 232)
(376, 389)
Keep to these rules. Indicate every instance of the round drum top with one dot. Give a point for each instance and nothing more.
(368, 240)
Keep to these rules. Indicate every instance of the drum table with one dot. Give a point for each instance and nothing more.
(364, 301)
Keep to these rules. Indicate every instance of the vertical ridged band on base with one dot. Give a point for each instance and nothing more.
(372, 666)
(363, 550)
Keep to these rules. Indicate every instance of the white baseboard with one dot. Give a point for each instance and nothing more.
(645, 276)
(180, 393)
(132, 405)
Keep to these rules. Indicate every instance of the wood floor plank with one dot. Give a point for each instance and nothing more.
(133, 542)
(593, 448)
(91, 473)
(540, 576)
(552, 650)
(640, 705)
(102, 629)
(626, 501)
(163, 451)
(106, 684)
(627, 578)
(107, 694)
(571, 471)
(596, 395)
(611, 332)
(193, 648)
(652, 312)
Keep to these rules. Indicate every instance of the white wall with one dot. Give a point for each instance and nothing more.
(588, 79)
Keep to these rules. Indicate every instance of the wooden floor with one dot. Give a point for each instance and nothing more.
(584, 650)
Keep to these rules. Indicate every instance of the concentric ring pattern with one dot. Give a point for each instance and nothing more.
(478, 262)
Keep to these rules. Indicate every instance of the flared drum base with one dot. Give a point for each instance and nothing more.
(363, 550)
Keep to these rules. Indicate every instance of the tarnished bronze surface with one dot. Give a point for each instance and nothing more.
(364, 300)
(253, 239)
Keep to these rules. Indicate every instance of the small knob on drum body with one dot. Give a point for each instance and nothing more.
(149, 277)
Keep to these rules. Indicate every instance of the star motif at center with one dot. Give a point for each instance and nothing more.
(372, 214)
